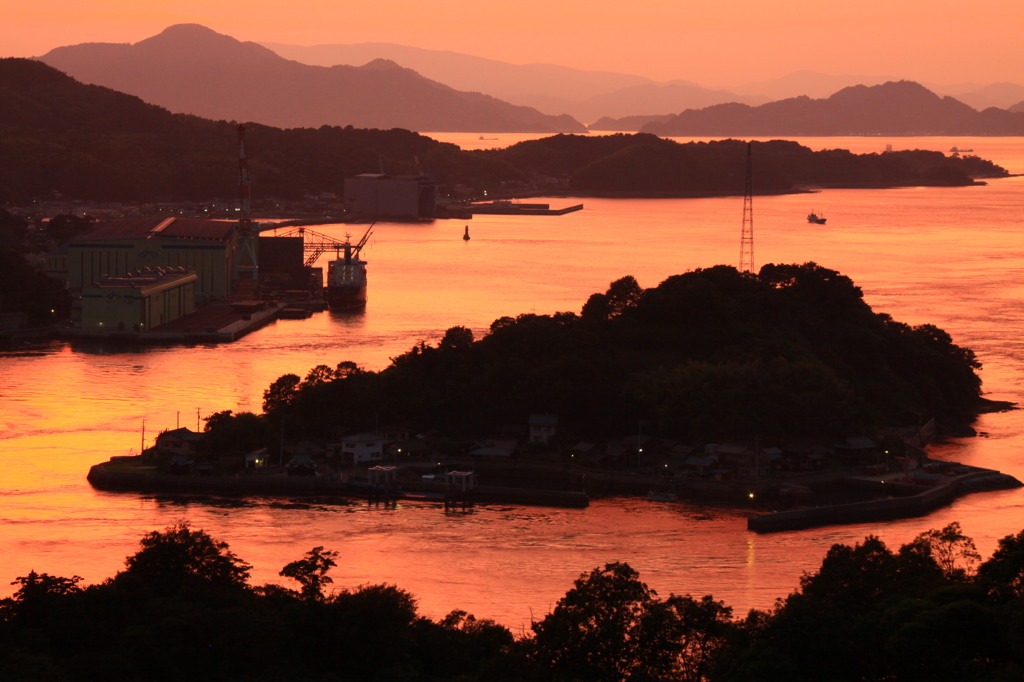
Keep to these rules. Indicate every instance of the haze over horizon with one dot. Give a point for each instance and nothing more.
(716, 45)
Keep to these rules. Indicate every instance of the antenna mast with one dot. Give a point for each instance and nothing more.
(747, 235)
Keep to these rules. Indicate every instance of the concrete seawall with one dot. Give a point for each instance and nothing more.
(910, 501)
(104, 477)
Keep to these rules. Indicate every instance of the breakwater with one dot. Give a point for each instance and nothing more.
(896, 500)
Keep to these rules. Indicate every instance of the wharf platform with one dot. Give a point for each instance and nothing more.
(504, 207)
(213, 323)
(515, 208)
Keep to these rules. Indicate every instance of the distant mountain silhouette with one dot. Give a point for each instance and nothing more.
(1000, 95)
(585, 95)
(626, 123)
(900, 108)
(1018, 107)
(191, 69)
(807, 83)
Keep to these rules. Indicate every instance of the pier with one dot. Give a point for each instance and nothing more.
(503, 207)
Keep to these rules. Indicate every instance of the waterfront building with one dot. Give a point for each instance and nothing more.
(399, 197)
(139, 301)
(118, 247)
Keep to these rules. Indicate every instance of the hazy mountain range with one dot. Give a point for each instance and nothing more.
(896, 108)
(590, 95)
(190, 69)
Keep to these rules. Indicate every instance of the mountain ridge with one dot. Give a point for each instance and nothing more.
(188, 68)
(898, 108)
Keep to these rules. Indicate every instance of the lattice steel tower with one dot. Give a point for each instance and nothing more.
(747, 234)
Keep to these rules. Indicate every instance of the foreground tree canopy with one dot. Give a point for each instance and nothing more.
(183, 609)
(706, 355)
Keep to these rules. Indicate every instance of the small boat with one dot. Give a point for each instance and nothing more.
(813, 217)
(465, 235)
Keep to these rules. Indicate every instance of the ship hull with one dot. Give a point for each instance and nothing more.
(346, 298)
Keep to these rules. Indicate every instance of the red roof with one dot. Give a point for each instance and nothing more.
(149, 228)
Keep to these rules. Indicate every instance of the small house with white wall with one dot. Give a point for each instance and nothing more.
(361, 447)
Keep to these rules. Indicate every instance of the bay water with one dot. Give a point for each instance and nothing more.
(953, 257)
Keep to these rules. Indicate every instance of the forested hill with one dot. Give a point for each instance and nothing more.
(93, 143)
(706, 355)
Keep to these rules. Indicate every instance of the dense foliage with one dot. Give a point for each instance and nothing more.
(183, 609)
(24, 287)
(706, 355)
(89, 142)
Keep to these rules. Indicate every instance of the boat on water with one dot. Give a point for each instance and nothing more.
(813, 217)
(346, 275)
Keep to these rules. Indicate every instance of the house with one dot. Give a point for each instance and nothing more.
(494, 448)
(257, 459)
(301, 464)
(543, 426)
(361, 447)
(179, 442)
(858, 449)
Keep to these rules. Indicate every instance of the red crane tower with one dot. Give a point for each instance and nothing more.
(245, 255)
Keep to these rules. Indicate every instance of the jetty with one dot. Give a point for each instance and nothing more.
(890, 498)
(505, 207)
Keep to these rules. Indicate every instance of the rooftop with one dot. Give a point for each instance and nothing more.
(148, 228)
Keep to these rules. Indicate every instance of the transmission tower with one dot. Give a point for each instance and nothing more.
(747, 235)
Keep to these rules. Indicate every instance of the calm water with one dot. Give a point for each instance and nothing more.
(952, 257)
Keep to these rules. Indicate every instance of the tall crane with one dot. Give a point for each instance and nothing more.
(245, 260)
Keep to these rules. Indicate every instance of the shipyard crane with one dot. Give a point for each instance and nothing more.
(315, 244)
(246, 260)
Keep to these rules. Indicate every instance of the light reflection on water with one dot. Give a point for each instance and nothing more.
(951, 257)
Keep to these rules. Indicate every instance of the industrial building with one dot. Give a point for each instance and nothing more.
(373, 196)
(118, 248)
(140, 301)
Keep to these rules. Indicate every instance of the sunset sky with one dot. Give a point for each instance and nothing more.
(720, 43)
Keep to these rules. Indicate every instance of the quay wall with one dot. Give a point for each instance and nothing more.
(104, 477)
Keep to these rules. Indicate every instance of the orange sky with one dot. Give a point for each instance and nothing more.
(711, 42)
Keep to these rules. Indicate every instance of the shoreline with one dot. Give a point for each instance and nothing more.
(874, 497)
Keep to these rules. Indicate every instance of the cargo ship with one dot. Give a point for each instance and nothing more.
(346, 275)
